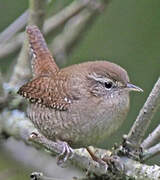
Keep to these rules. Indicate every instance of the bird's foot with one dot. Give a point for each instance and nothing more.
(94, 157)
(114, 162)
(67, 153)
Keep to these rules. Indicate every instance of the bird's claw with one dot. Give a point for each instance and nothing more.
(114, 162)
(67, 153)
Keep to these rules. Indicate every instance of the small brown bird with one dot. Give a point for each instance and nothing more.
(81, 104)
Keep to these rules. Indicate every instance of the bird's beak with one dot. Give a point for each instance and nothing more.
(132, 87)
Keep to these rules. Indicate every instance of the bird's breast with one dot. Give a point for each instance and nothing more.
(86, 122)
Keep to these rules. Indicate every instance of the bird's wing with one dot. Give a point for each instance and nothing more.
(42, 60)
(44, 90)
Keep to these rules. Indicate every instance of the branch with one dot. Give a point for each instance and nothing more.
(17, 125)
(1, 86)
(145, 116)
(151, 152)
(73, 32)
(37, 12)
(65, 14)
(13, 28)
(12, 46)
(22, 69)
(50, 25)
(3, 96)
(152, 139)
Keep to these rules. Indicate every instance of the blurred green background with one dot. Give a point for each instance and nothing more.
(127, 33)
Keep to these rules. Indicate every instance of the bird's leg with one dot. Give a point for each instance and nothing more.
(67, 152)
(62, 148)
(112, 161)
(94, 157)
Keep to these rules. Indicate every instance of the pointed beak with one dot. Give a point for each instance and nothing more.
(132, 87)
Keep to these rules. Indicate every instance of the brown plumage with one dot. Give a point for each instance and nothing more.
(80, 104)
(41, 54)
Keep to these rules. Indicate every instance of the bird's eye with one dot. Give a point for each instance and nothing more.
(108, 85)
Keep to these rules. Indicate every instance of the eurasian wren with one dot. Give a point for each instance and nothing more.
(81, 104)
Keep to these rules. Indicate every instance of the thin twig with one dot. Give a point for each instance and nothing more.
(65, 14)
(1, 86)
(37, 12)
(3, 95)
(73, 32)
(22, 69)
(12, 46)
(152, 139)
(50, 25)
(13, 28)
(151, 152)
(143, 120)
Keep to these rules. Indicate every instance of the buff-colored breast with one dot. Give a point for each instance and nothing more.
(81, 125)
